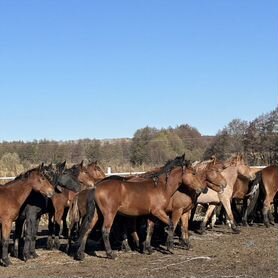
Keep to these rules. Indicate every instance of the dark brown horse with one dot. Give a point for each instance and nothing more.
(12, 196)
(150, 196)
(86, 176)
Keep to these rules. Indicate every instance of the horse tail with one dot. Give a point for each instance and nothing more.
(91, 207)
(74, 214)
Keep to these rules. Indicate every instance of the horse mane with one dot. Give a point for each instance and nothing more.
(168, 167)
(22, 176)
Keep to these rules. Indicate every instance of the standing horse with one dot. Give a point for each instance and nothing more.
(36, 205)
(62, 201)
(268, 185)
(183, 201)
(134, 199)
(12, 196)
(234, 167)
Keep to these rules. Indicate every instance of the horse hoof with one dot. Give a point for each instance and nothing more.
(79, 256)
(49, 244)
(267, 224)
(111, 255)
(236, 229)
(185, 244)
(26, 257)
(34, 255)
(14, 253)
(6, 262)
(57, 243)
(125, 246)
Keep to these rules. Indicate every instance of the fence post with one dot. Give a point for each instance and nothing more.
(109, 172)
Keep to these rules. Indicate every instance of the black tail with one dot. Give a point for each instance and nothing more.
(91, 207)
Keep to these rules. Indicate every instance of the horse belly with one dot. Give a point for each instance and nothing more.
(135, 205)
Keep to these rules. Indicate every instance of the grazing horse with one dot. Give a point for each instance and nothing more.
(235, 167)
(36, 205)
(146, 197)
(12, 196)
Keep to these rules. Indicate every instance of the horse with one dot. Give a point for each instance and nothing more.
(242, 191)
(183, 201)
(12, 196)
(268, 185)
(36, 205)
(62, 201)
(146, 197)
(94, 170)
(234, 167)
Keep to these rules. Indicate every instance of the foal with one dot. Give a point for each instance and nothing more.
(12, 196)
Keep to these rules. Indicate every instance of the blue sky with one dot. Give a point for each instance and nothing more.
(103, 69)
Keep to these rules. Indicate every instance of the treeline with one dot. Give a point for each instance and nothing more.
(257, 139)
(150, 147)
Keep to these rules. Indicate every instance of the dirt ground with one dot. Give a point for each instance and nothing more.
(217, 253)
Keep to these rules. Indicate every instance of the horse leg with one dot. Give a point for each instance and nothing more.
(57, 225)
(266, 209)
(227, 205)
(30, 223)
(65, 231)
(161, 214)
(6, 230)
(134, 234)
(184, 240)
(125, 246)
(33, 252)
(107, 223)
(17, 236)
(50, 243)
(203, 224)
(147, 244)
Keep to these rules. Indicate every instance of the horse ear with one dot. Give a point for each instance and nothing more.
(41, 167)
(183, 156)
(61, 166)
(82, 164)
(213, 158)
(96, 162)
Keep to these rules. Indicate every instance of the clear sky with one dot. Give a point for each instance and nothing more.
(103, 69)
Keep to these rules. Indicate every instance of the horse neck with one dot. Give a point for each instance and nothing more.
(173, 182)
(230, 174)
(21, 189)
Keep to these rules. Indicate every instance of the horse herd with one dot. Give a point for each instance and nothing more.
(82, 196)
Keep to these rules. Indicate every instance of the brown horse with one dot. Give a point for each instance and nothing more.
(270, 189)
(95, 171)
(235, 167)
(150, 196)
(62, 201)
(241, 193)
(12, 196)
(182, 202)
